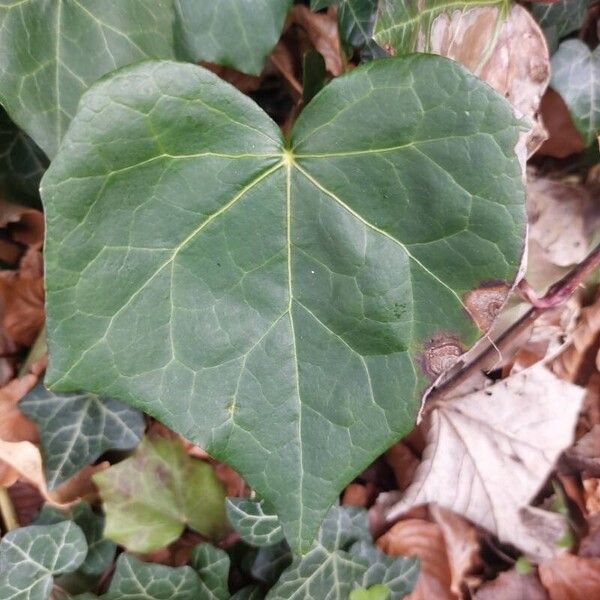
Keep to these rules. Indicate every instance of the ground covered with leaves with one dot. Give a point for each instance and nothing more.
(140, 491)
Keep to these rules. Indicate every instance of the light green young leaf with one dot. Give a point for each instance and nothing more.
(576, 77)
(100, 551)
(137, 580)
(376, 592)
(226, 32)
(295, 310)
(559, 19)
(405, 26)
(75, 429)
(256, 526)
(212, 565)
(153, 495)
(341, 560)
(31, 556)
(58, 48)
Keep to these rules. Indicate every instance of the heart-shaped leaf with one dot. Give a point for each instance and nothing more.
(57, 48)
(576, 77)
(225, 32)
(75, 429)
(280, 304)
(153, 495)
(31, 556)
(255, 525)
(212, 565)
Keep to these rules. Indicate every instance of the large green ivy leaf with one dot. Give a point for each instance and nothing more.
(75, 429)
(280, 304)
(54, 49)
(343, 558)
(229, 32)
(153, 495)
(31, 556)
(576, 77)
(408, 25)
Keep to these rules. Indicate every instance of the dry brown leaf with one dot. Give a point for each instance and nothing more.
(78, 487)
(26, 500)
(589, 547)
(416, 537)
(510, 585)
(22, 299)
(563, 139)
(586, 333)
(489, 453)
(462, 545)
(356, 494)
(516, 63)
(585, 454)
(403, 463)
(323, 34)
(26, 225)
(591, 493)
(569, 577)
(14, 425)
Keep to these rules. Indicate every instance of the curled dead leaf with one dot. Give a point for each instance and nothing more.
(417, 537)
(569, 577)
(513, 585)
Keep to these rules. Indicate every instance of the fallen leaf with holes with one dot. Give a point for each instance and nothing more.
(462, 545)
(489, 452)
(417, 537)
(323, 34)
(569, 577)
(513, 585)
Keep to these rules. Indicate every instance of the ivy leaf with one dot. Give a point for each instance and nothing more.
(576, 77)
(342, 560)
(270, 561)
(75, 429)
(560, 19)
(407, 26)
(255, 526)
(250, 592)
(153, 495)
(31, 556)
(212, 565)
(224, 32)
(321, 4)
(376, 592)
(295, 311)
(57, 49)
(356, 19)
(100, 551)
(137, 580)
(22, 163)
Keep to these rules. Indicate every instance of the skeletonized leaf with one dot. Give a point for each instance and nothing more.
(489, 452)
(295, 311)
(576, 77)
(58, 48)
(75, 429)
(136, 580)
(153, 495)
(255, 526)
(31, 556)
(212, 565)
(225, 32)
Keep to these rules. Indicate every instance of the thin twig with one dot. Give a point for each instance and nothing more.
(558, 294)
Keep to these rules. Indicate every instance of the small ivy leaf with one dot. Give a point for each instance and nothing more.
(559, 19)
(22, 162)
(576, 77)
(340, 561)
(356, 19)
(137, 580)
(270, 561)
(100, 551)
(318, 339)
(153, 495)
(250, 592)
(63, 47)
(75, 429)
(375, 592)
(31, 556)
(256, 526)
(397, 573)
(212, 565)
(225, 32)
